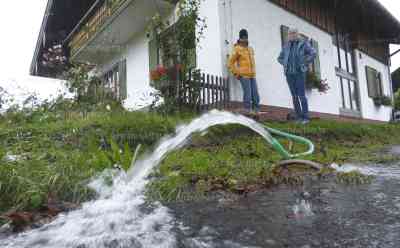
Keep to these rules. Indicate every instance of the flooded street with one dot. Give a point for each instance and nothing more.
(318, 214)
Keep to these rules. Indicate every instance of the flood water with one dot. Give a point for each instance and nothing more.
(316, 214)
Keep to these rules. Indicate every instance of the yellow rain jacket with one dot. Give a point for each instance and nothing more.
(241, 62)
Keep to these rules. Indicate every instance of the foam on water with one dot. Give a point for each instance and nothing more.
(302, 209)
(382, 171)
(121, 217)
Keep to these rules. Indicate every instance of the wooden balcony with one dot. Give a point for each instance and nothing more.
(109, 25)
(93, 21)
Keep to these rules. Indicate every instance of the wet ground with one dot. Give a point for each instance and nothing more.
(318, 214)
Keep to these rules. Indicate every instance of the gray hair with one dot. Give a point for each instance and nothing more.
(293, 30)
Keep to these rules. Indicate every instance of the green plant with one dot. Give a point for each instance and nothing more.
(397, 100)
(314, 82)
(178, 45)
(383, 101)
(89, 91)
(353, 177)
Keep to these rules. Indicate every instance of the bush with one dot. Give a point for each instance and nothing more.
(397, 100)
(42, 154)
(314, 82)
(383, 101)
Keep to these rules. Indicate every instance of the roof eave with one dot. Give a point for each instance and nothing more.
(393, 19)
(32, 70)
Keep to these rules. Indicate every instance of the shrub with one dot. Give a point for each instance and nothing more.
(397, 100)
(383, 101)
(314, 82)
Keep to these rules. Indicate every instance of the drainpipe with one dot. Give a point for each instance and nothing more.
(389, 64)
(390, 78)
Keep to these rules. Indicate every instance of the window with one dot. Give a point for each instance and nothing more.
(374, 82)
(315, 66)
(115, 81)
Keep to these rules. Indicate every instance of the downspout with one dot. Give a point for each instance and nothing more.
(391, 79)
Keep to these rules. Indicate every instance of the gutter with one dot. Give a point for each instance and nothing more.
(40, 41)
(387, 13)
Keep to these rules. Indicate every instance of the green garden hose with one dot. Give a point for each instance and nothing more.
(282, 151)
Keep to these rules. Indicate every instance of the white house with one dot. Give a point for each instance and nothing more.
(352, 38)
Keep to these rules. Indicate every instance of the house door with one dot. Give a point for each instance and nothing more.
(346, 72)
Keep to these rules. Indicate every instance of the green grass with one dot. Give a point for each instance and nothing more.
(59, 157)
(233, 158)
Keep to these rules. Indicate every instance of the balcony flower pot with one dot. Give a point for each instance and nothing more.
(382, 101)
(314, 82)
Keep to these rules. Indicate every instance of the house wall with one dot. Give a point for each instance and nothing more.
(369, 110)
(263, 20)
(209, 53)
(136, 53)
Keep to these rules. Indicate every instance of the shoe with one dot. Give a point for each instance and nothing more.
(252, 112)
(305, 121)
(298, 121)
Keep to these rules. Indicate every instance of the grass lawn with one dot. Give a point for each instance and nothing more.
(42, 154)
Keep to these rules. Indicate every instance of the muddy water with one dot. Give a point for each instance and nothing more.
(317, 214)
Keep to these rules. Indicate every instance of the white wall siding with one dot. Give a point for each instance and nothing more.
(369, 110)
(209, 51)
(263, 20)
(136, 53)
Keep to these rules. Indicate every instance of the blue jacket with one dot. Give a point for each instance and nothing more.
(305, 52)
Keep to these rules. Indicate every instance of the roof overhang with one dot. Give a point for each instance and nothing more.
(393, 24)
(41, 39)
(375, 18)
(59, 19)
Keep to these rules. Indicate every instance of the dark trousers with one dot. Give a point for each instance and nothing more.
(297, 86)
(251, 98)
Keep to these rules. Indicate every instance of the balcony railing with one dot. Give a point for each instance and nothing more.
(90, 24)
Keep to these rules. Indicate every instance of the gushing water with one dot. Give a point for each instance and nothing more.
(121, 217)
(302, 209)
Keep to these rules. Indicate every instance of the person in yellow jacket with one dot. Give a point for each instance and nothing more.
(243, 67)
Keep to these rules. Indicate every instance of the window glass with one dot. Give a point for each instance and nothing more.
(374, 82)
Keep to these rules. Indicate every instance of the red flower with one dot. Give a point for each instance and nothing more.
(155, 75)
(161, 70)
(179, 67)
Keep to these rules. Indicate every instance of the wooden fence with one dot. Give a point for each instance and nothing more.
(204, 91)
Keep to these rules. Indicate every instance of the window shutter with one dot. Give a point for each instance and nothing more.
(284, 34)
(373, 82)
(123, 80)
(379, 84)
(316, 63)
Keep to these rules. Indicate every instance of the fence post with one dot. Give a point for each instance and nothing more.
(208, 91)
(228, 92)
(217, 102)
(190, 88)
(203, 84)
(225, 94)
(221, 93)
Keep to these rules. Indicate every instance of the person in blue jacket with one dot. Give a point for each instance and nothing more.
(296, 56)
